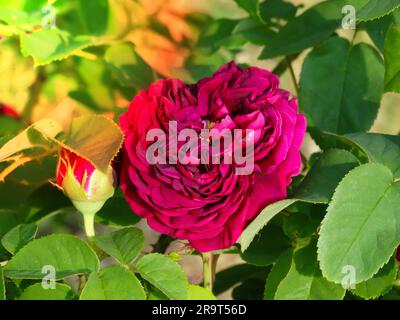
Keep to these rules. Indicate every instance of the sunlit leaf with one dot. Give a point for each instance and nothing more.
(68, 255)
(113, 283)
(37, 292)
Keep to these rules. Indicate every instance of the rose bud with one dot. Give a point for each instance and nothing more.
(88, 187)
(8, 111)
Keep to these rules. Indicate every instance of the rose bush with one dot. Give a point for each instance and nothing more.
(210, 205)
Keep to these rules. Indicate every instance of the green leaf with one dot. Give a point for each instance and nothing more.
(302, 221)
(277, 9)
(320, 183)
(251, 289)
(156, 294)
(247, 30)
(266, 246)
(362, 215)
(308, 29)
(124, 245)
(113, 283)
(18, 237)
(9, 125)
(39, 135)
(380, 284)
(43, 203)
(378, 28)
(117, 212)
(261, 220)
(8, 220)
(128, 67)
(375, 9)
(219, 33)
(200, 293)
(164, 274)
(94, 15)
(239, 273)
(2, 285)
(67, 254)
(392, 59)
(277, 274)
(48, 45)
(96, 90)
(16, 22)
(304, 280)
(96, 138)
(335, 78)
(251, 6)
(379, 148)
(37, 292)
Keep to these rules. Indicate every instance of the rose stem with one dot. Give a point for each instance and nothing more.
(208, 270)
(292, 75)
(88, 221)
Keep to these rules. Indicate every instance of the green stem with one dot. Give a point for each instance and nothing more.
(162, 244)
(208, 274)
(88, 221)
(293, 76)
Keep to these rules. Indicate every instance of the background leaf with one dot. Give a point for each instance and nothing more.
(113, 283)
(261, 220)
(67, 254)
(237, 274)
(278, 273)
(124, 245)
(39, 134)
(18, 237)
(117, 212)
(266, 246)
(341, 86)
(308, 29)
(94, 15)
(48, 45)
(251, 6)
(200, 293)
(361, 226)
(379, 148)
(164, 274)
(392, 59)
(381, 283)
(37, 292)
(377, 8)
(320, 183)
(129, 68)
(304, 280)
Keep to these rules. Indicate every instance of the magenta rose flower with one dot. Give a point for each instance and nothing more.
(209, 204)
